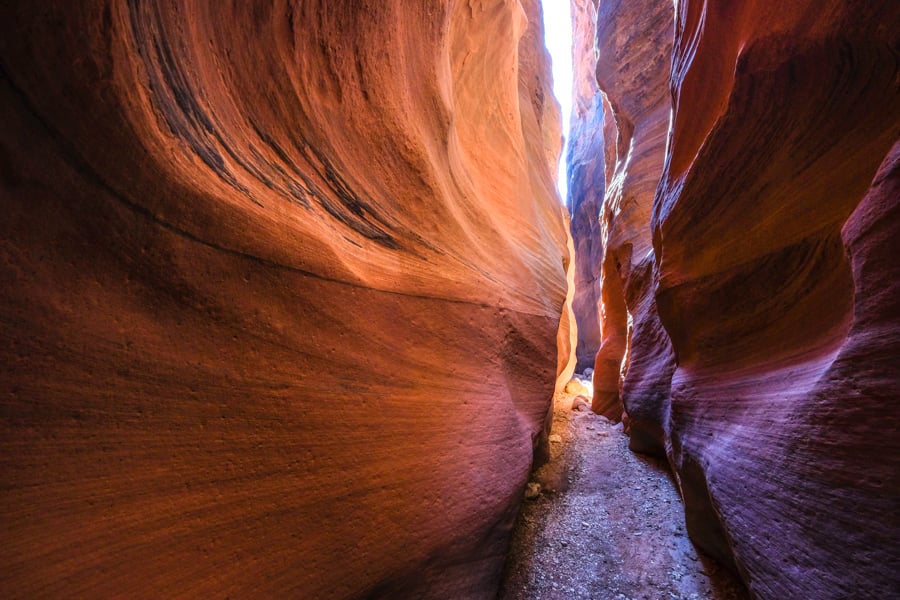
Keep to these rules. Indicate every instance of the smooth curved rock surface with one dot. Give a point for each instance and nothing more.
(281, 288)
(586, 173)
(766, 326)
(631, 68)
(785, 329)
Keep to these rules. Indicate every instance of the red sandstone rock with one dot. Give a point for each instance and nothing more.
(775, 276)
(586, 175)
(567, 334)
(781, 428)
(634, 47)
(651, 364)
(281, 285)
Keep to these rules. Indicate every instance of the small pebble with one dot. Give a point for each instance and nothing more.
(532, 490)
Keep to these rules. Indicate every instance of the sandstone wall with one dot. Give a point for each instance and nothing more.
(778, 306)
(281, 286)
(634, 41)
(765, 324)
(587, 183)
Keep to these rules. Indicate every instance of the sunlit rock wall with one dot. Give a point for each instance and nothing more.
(765, 320)
(281, 286)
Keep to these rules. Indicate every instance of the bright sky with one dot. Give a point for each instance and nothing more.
(558, 35)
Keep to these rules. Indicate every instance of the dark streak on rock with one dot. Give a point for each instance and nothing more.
(80, 165)
(179, 107)
(186, 118)
(350, 210)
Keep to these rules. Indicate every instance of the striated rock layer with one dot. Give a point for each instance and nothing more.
(785, 327)
(281, 285)
(587, 183)
(633, 41)
(766, 325)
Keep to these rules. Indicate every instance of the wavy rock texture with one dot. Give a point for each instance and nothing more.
(785, 328)
(772, 284)
(634, 41)
(281, 285)
(587, 183)
(567, 334)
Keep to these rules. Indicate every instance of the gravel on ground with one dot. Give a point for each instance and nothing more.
(606, 524)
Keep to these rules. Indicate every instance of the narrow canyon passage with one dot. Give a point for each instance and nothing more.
(287, 290)
(608, 524)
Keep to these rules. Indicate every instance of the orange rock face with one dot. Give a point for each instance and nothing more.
(633, 77)
(281, 287)
(766, 325)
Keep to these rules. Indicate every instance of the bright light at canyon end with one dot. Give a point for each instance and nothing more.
(558, 37)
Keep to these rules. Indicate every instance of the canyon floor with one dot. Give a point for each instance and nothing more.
(608, 524)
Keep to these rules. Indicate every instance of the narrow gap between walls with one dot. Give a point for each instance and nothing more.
(558, 39)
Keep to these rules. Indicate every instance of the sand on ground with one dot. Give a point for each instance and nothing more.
(608, 524)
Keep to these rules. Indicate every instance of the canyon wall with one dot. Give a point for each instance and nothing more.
(623, 157)
(281, 290)
(587, 183)
(765, 326)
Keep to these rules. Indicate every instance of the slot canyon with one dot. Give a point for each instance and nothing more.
(291, 305)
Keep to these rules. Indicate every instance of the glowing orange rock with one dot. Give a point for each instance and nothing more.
(281, 291)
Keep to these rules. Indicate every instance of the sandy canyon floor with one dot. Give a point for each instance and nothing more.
(608, 524)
